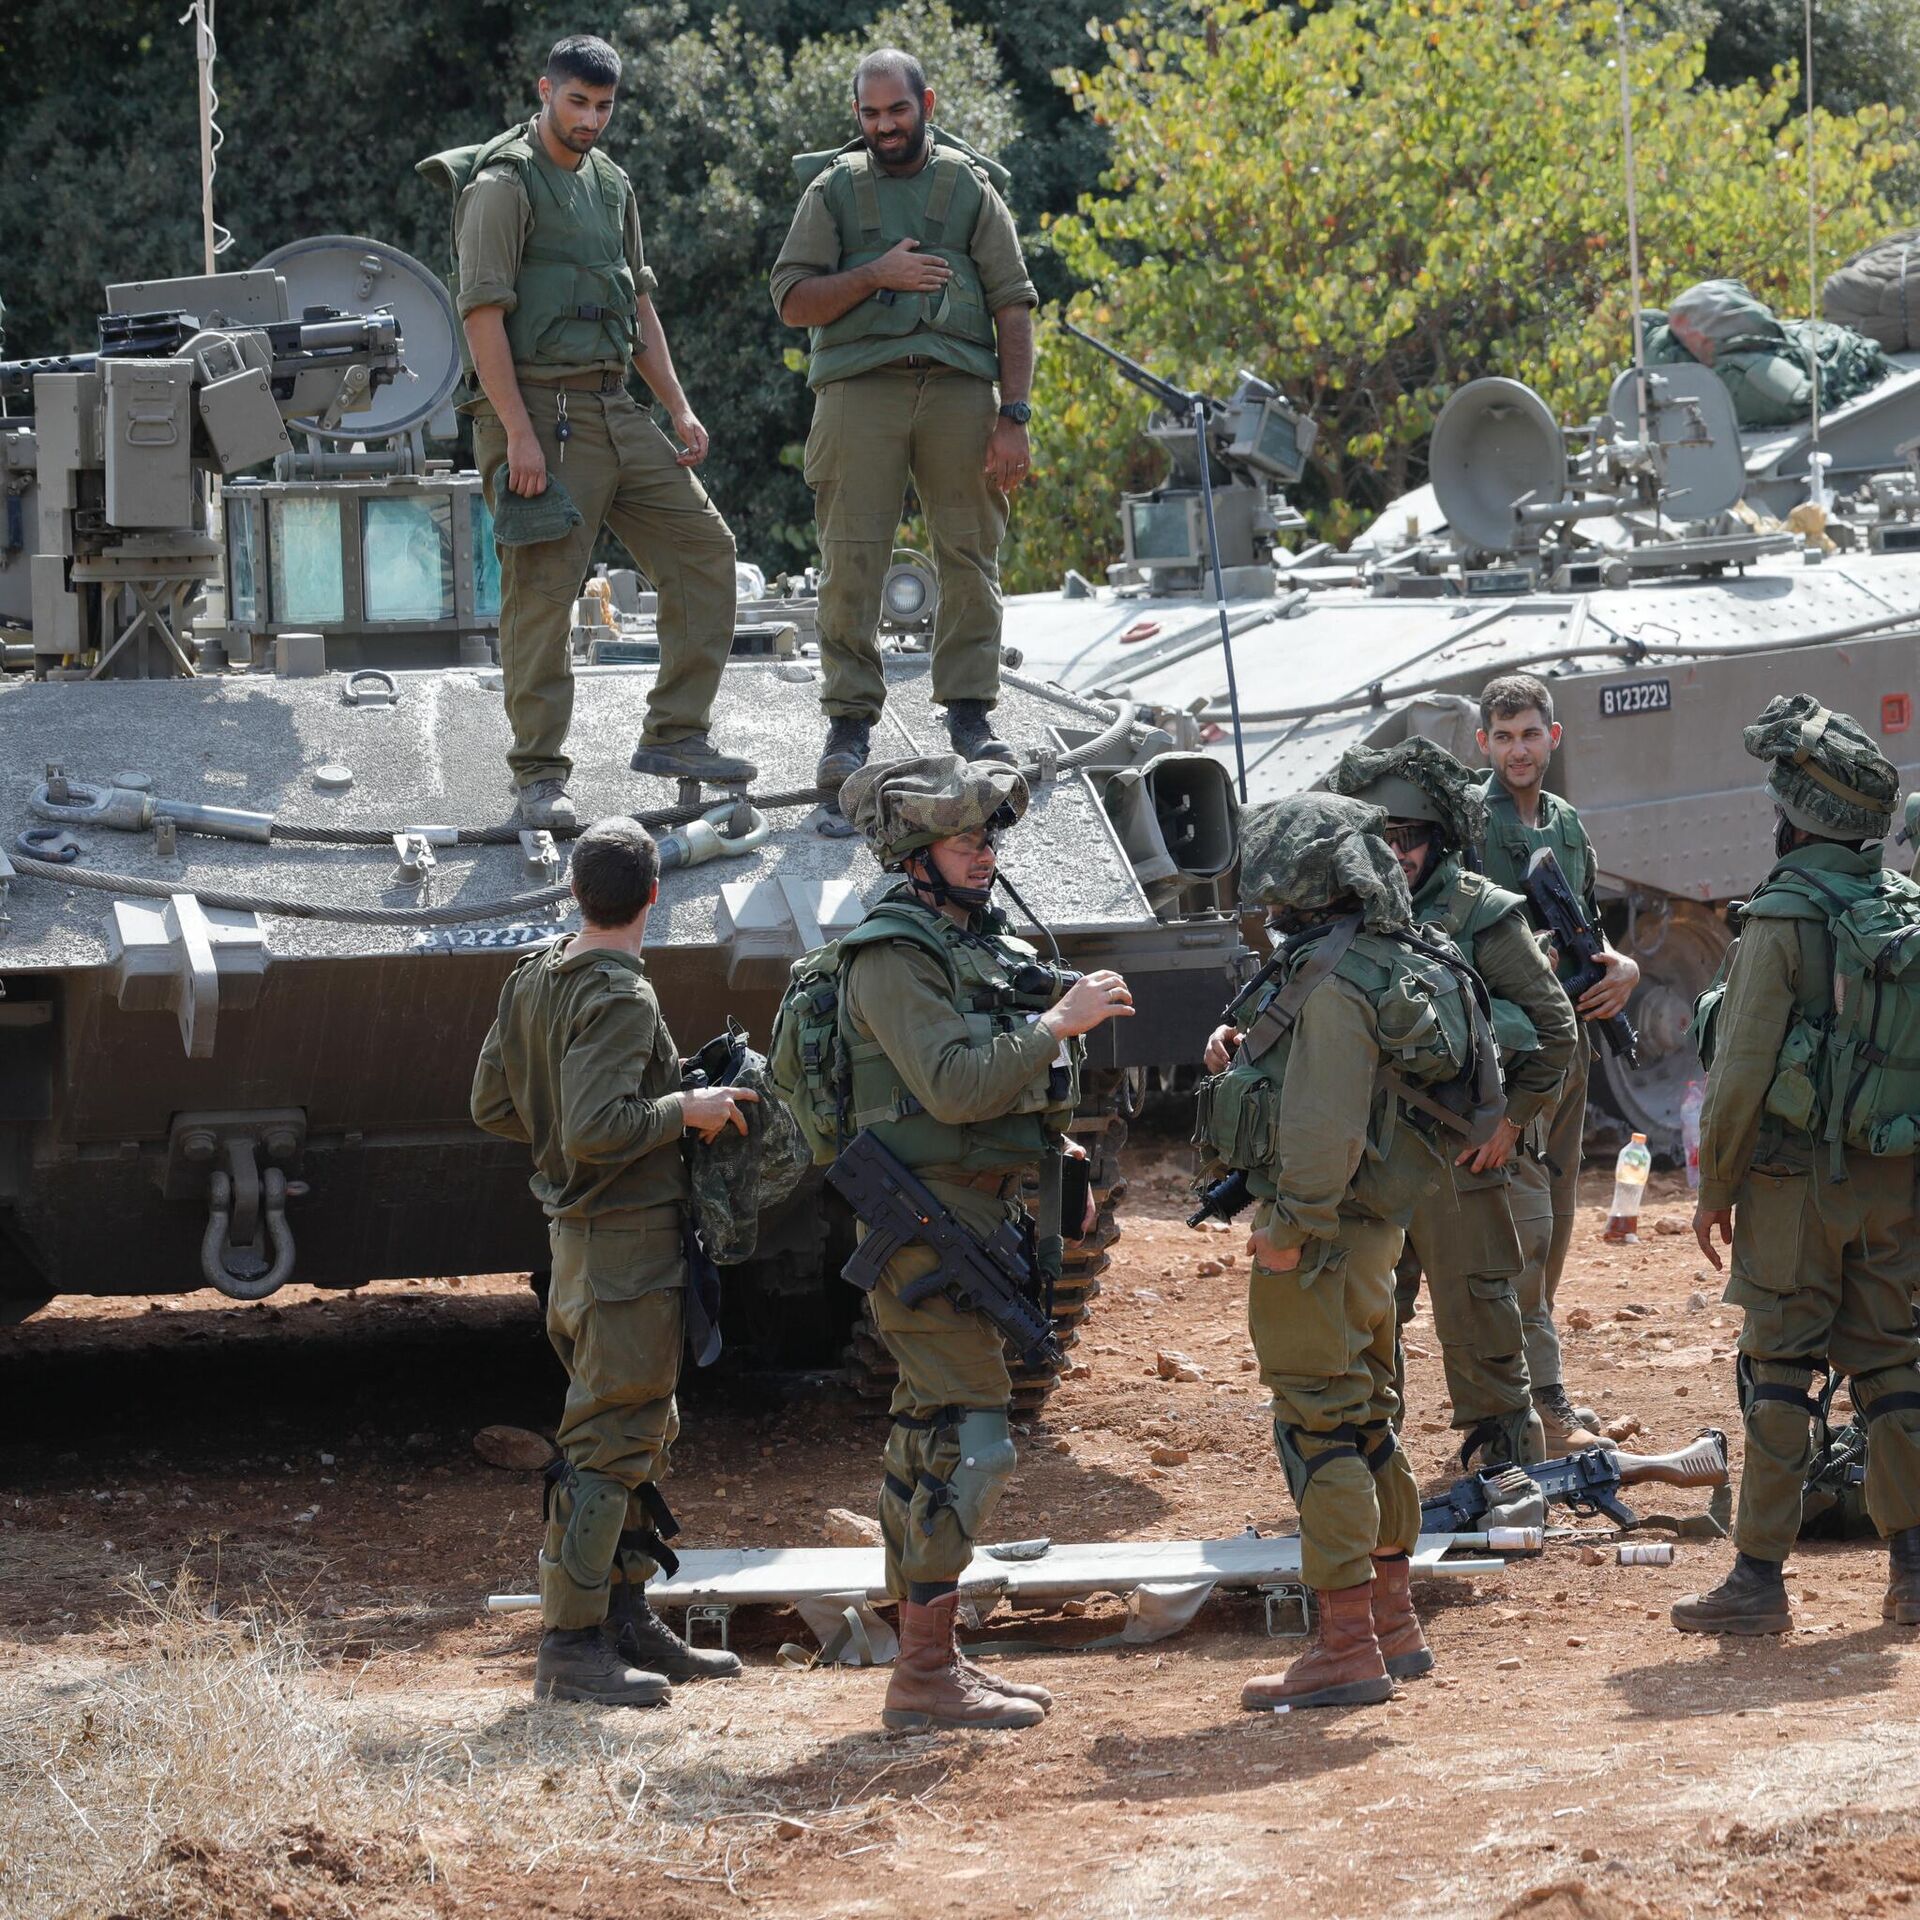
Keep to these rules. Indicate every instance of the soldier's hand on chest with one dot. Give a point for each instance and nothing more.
(905, 269)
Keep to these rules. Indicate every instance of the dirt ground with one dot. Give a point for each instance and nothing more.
(246, 1667)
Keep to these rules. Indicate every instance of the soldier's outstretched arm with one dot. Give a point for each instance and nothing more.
(654, 364)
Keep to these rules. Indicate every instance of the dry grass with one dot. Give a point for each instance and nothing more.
(221, 1763)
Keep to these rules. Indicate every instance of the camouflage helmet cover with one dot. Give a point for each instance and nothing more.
(1313, 851)
(1828, 775)
(904, 805)
(735, 1177)
(1416, 780)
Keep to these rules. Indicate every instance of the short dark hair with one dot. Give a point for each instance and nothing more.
(614, 866)
(1514, 693)
(892, 60)
(584, 56)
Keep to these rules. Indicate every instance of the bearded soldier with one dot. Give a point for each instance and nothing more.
(1462, 1234)
(556, 302)
(960, 1064)
(1807, 1156)
(904, 264)
(1323, 1110)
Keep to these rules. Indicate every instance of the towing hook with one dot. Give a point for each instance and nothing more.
(725, 832)
(217, 1252)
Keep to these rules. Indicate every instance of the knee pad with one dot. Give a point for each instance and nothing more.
(984, 1437)
(1886, 1392)
(1775, 1392)
(592, 1511)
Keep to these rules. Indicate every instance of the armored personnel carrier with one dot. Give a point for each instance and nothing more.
(1639, 565)
(262, 879)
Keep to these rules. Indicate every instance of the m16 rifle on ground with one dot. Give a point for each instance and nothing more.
(1588, 1482)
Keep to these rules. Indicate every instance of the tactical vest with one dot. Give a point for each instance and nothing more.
(1434, 1035)
(873, 211)
(1462, 905)
(577, 305)
(1510, 845)
(1848, 1071)
(839, 1080)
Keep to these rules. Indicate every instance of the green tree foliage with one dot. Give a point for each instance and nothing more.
(1373, 202)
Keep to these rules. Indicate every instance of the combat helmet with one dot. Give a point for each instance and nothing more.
(904, 805)
(1312, 851)
(1828, 775)
(1416, 780)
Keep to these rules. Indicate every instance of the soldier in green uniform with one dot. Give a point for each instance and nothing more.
(1321, 1109)
(580, 1066)
(962, 1066)
(1462, 1233)
(904, 264)
(557, 300)
(1518, 734)
(1807, 1156)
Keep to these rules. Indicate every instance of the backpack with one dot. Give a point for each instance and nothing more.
(807, 1058)
(1849, 1075)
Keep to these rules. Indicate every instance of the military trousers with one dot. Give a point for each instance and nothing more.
(621, 472)
(1545, 1201)
(615, 1317)
(1324, 1335)
(950, 1360)
(871, 435)
(1825, 1274)
(1463, 1236)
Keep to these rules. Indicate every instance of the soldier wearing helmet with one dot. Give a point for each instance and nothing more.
(964, 1063)
(1318, 1108)
(1463, 1234)
(1807, 1144)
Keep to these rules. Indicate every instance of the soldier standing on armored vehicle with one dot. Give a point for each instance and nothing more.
(971, 1093)
(557, 302)
(904, 263)
(1462, 1233)
(1807, 1147)
(580, 1065)
(1518, 734)
(1338, 1046)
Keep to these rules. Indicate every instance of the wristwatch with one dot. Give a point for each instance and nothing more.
(1017, 410)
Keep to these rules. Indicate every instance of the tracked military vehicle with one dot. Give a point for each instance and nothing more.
(261, 870)
(1639, 565)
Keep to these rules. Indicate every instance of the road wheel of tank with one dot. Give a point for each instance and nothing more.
(1101, 1127)
(1679, 945)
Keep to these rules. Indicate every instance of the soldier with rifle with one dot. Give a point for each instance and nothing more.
(1807, 1156)
(904, 265)
(1462, 1233)
(1518, 734)
(556, 300)
(961, 1064)
(1355, 1053)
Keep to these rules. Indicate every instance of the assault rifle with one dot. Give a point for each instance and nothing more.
(1588, 1481)
(995, 1276)
(1222, 1199)
(1579, 945)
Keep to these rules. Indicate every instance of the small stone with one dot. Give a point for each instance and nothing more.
(1080, 1370)
(1169, 1456)
(1623, 1428)
(1074, 1609)
(511, 1447)
(1147, 1294)
(1509, 1665)
(789, 1829)
(1175, 1366)
(844, 1528)
(1066, 1446)
(1589, 1855)
(1207, 1269)
(1248, 1364)
(1669, 1223)
(1578, 1321)
(1416, 1352)
(1696, 1303)
(1591, 1557)
(1680, 1393)
(1575, 1640)
(280, 1906)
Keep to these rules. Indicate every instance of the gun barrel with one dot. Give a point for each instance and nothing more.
(1162, 390)
(1702, 1463)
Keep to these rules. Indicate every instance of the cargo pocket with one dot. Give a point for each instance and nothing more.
(1298, 1320)
(627, 1263)
(1792, 1097)
(1769, 1248)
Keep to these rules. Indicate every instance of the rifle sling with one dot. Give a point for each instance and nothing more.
(1284, 1009)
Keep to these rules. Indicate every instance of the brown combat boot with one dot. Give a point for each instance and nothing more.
(1751, 1599)
(1395, 1624)
(1902, 1603)
(929, 1687)
(1042, 1697)
(1560, 1422)
(1343, 1667)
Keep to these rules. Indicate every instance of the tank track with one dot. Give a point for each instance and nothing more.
(1101, 1128)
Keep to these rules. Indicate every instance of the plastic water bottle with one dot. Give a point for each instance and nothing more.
(1696, 1098)
(1629, 1189)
